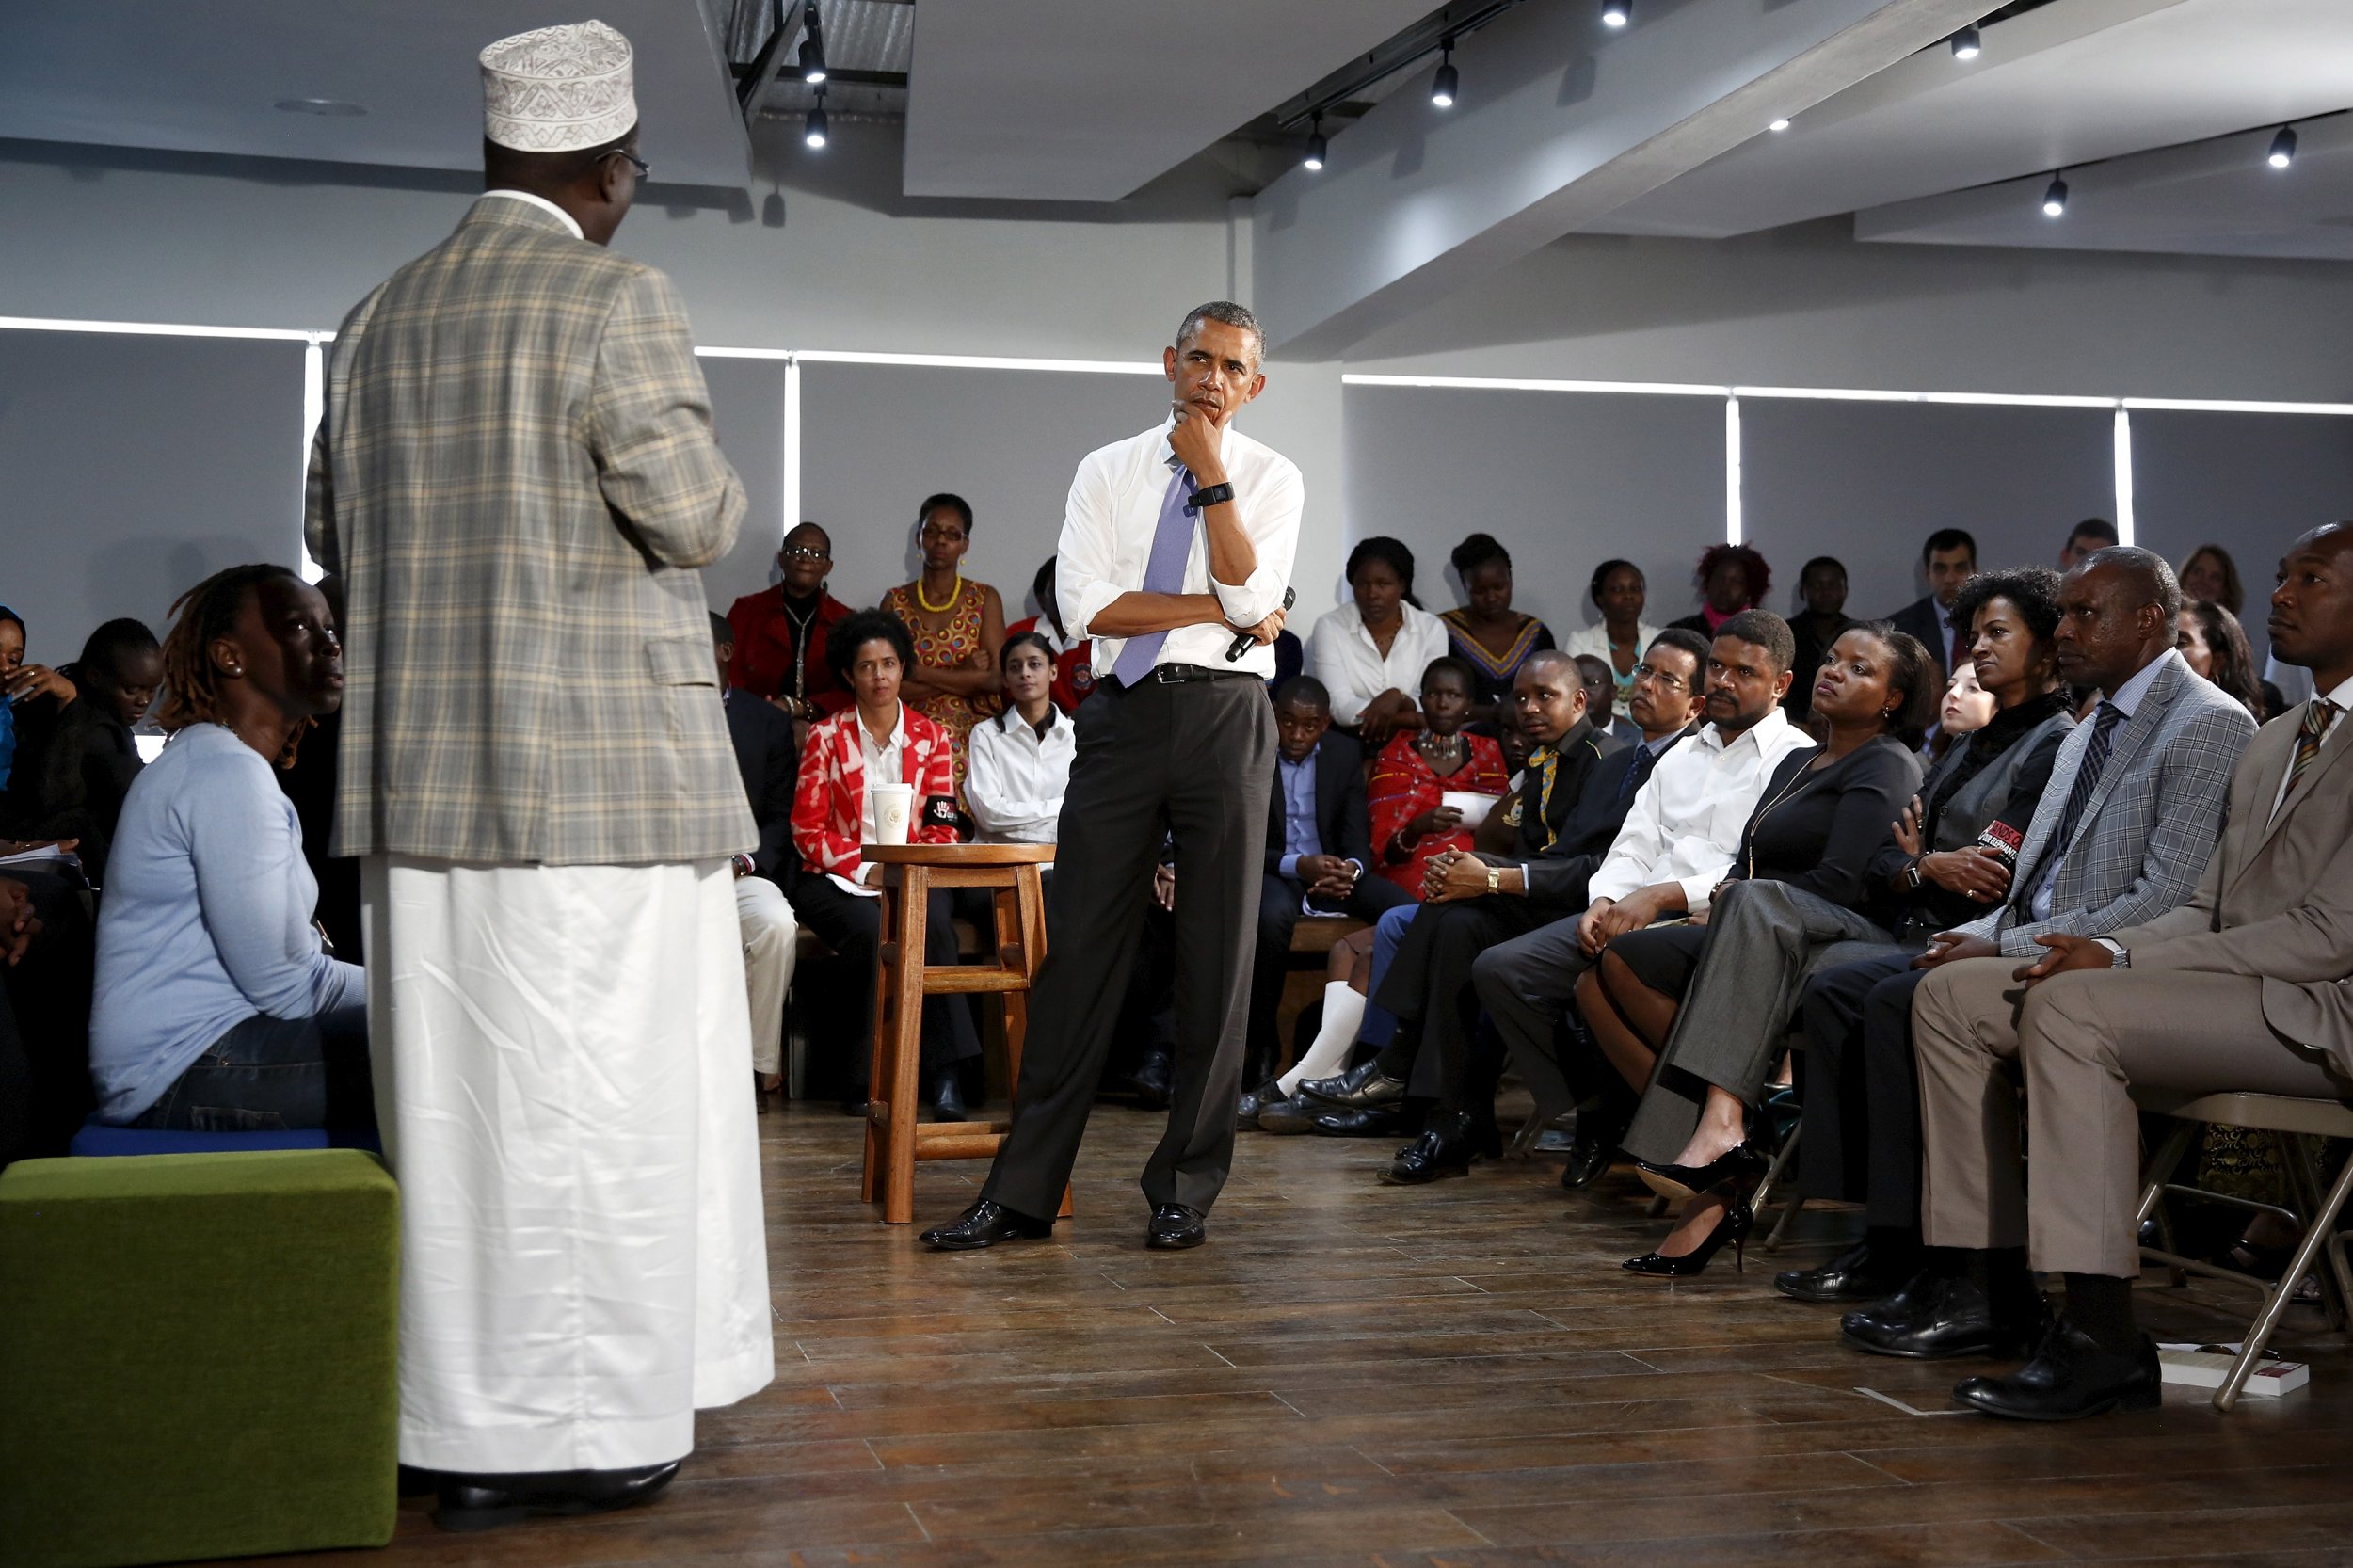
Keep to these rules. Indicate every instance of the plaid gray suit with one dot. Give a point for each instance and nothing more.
(515, 477)
(2150, 826)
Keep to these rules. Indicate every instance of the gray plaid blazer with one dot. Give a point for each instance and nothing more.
(2150, 826)
(515, 477)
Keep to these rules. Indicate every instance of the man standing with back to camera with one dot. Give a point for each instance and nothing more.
(1177, 543)
(516, 477)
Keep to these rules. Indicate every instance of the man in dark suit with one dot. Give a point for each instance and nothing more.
(767, 757)
(1476, 900)
(1318, 846)
(1949, 558)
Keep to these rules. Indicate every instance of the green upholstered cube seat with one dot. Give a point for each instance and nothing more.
(196, 1356)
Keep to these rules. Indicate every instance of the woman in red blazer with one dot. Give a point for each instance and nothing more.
(835, 896)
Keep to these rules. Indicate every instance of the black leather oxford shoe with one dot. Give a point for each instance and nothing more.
(1448, 1143)
(1174, 1228)
(486, 1502)
(1361, 1086)
(1857, 1274)
(1372, 1121)
(1934, 1319)
(1256, 1102)
(2070, 1377)
(985, 1225)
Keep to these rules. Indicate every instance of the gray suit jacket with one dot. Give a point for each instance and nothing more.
(515, 477)
(2277, 899)
(2150, 826)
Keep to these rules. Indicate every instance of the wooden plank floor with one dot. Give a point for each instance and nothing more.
(1355, 1374)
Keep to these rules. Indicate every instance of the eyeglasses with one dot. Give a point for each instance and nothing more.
(1661, 678)
(802, 553)
(645, 170)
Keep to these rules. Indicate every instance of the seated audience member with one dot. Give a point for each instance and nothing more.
(1622, 636)
(120, 666)
(780, 633)
(2211, 576)
(214, 1008)
(878, 738)
(1073, 657)
(1947, 560)
(2211, 643)
(1319, 852)
(957, 626)
(1471, 900)
(1733, 579)
(1021, 758)
(43, 729)
(1822, 586)
(1966, 708)
(1601, 701)
(769, 763)
(309, 782)
(1415, 771)
(1677, 843)
(1692, 1015)
(1951, 861)
(1489, 637)
(1370, 652)
(2092, 533)
(45, 957)
(2240, 990)
(2122, 834)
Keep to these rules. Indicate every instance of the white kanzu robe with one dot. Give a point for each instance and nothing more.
(560, 1054)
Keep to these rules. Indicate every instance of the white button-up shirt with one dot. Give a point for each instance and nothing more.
(1113, 511)
(1342, 655)
(1685, 820)
(1017, 777)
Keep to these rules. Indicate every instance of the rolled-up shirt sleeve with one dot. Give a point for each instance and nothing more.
(1269, 515)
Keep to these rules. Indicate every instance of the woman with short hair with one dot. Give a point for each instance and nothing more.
(1491, 639)
(1621, 636)
(1369, 653)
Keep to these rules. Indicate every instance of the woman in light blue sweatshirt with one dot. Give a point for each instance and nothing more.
(216, 1008)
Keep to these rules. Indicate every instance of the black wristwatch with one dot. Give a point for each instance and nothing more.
(1214, 495)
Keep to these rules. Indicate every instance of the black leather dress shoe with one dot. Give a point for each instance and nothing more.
(1362, 1086)
(1854, 1276)
(1174, 1227)
(1372, 1121)
(1151, 1083)
(948, 1097)
(2070, 1377)
(1448, 1145)
(1947, 1318)
(1254, 1103)
(486, 1502)
(1294, 1115)
(985, 1225)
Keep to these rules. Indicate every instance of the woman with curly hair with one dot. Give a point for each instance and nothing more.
(216, 1008)
(1731, 578)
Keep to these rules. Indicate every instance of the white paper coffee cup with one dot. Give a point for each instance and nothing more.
(893, 804)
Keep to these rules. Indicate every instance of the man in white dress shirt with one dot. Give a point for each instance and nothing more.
(1176, 545)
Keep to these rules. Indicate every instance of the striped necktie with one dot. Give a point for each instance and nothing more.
(2308, 736)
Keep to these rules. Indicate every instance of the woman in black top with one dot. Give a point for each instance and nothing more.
(1694, 1015)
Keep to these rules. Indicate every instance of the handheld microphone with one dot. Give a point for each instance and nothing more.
(1242, 643)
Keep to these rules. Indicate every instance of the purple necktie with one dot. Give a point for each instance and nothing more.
(1164, 574)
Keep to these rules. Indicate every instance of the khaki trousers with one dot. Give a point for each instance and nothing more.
(2082, 1041)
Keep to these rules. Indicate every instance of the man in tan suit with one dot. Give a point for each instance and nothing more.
(516, 477)
(2242, 988)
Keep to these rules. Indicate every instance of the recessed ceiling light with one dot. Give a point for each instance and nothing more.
(333, 108)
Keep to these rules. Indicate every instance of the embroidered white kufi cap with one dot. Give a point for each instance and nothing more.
(557, 89)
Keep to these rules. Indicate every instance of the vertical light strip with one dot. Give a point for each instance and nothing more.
(792, 519)
(1733, 523)
(313, 411)
(2123, 443)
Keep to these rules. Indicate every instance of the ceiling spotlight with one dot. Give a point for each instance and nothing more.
(1313, 162)
(2283, 149)
(1443, 85)
(1778, 125)
(812, 49)
(813, 128)
(2055, 198)
(1967, 46)
(1616, 14)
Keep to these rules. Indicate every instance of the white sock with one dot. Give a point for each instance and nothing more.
(1343, 1011)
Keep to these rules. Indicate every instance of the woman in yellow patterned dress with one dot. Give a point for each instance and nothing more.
(958, 627)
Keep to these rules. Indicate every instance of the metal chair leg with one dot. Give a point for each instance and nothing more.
(2320, 1233)
(1773, 1173)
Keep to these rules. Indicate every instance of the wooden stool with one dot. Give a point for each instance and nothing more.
(894, 1138)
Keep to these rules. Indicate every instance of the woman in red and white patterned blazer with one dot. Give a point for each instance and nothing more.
(871, 652)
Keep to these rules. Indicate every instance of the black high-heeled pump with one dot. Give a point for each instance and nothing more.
(1734, 1227)
(1739, 1162)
